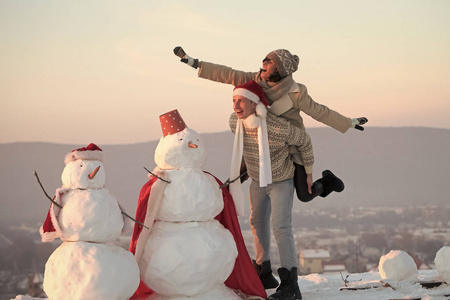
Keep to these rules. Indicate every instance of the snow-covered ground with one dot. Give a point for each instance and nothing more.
(320, 287)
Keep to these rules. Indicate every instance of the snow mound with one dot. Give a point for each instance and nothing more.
(218, 292)
(211, 256)
(192, 195)
(397, 265)
(442, 262)
(91, 216)
(90, 271)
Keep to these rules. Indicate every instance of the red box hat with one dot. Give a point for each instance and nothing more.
(171, 122)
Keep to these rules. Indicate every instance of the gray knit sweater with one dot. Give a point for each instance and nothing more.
(281, 134)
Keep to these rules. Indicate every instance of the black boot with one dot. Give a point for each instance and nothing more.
(288, 289)
(265, 274)
(331, 183)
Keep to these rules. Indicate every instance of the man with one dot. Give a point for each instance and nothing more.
(263, 140)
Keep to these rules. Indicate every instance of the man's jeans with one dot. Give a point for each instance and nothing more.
(276, 199)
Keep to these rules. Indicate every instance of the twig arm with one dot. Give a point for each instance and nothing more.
(228, 182)
(49, 198)
(168, 181)
(128, 216)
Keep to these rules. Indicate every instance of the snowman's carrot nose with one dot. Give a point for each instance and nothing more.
(192, 145)
(92, 175)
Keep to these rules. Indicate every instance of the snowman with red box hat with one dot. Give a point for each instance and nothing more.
(191, 248)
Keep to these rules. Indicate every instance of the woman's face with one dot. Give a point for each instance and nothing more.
(268, 68)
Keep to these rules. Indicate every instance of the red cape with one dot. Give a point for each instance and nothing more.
(243, 276)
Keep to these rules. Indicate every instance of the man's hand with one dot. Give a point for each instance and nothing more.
(193, 62)
(309, 182)
(357, 122)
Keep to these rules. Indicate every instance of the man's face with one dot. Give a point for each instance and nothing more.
(243, 107)
(267, 69)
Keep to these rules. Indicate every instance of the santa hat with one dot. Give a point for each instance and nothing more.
(254, 92)
(171, 122)
(285, 62)
(91, 152)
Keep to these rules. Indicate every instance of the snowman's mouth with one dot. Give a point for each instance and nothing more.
(192, 145)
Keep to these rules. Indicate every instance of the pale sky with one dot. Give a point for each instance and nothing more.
(103, 71)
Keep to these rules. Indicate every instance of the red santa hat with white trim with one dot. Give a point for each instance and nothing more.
(253, 92)
(91, 152)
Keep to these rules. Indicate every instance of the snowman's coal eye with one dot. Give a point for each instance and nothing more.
(180, 139)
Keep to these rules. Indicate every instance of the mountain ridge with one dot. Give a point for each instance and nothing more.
(380, 166)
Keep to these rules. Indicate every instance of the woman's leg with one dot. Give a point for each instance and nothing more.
(301, 187)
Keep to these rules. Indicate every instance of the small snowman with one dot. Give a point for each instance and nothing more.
(187, 253)
(87, 218)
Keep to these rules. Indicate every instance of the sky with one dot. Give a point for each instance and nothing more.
(103, 71)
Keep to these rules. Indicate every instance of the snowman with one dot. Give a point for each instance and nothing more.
(87, 218)
(186, 252)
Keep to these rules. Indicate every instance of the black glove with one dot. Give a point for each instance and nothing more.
(356, 122)
(193, 62)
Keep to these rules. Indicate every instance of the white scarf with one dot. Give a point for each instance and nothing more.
(154, 202)
(265, 171)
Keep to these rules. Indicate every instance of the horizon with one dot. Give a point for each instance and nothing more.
(216, 132)
(105, 70)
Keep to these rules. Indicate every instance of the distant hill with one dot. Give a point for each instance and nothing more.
(380, 166)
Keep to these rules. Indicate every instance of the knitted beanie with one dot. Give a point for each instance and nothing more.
(284, 61)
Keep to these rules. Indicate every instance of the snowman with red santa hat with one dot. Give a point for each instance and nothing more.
(190, 249)
(87, 218)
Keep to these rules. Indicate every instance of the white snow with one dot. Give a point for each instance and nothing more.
(187, 258)
(319, 287)
(397, 265)
(76, 174)
(192, 195)
(442, 262)
(173, 151)
(91, 215)
(219, 292)
(90, 271)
